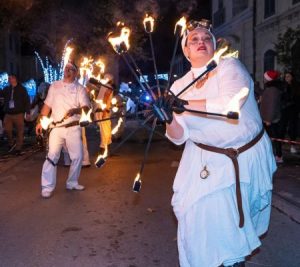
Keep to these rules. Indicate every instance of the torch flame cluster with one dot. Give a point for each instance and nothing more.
(120, 43)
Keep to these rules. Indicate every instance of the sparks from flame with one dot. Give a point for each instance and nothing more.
(148, 20)
(67, 55)
(180, 23)
(45, 122)
(116, 128)
(123, 38)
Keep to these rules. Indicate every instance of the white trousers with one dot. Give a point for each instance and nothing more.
(86, 155)
(71, 137)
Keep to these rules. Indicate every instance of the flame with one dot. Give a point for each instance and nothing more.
(137, 178)
(45, 122)
(116, 128)
(103, 156)
(99, 63)
(180, 23)
(114, 101)
(148, 23)
(93, 94)
(101, 104)
(234, 54)
(104, 81)
(234, 104)
(115, 109)
(85, 68)
(218, 54)
(118, 41)
(85, 116)
(68, 52)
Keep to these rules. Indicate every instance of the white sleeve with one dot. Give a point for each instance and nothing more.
(234, 86)
(180, 119)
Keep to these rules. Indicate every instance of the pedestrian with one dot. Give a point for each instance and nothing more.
(104, 97)
(65, 100)
(16, 105)
(291, 108)
(222, 189)
(270, 109)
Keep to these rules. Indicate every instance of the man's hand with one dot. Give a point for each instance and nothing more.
(38, 129)
(72, 112)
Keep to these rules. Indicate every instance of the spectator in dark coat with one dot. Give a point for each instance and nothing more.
(16, 104)
(270, 108)
(291, 108)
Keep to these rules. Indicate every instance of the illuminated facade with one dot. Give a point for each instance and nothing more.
(253, 26)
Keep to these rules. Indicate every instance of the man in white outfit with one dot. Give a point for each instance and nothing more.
(65, 100)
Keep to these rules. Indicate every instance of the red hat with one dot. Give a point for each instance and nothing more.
(271, 75)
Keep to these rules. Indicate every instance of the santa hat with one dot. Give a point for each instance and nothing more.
(271, 75)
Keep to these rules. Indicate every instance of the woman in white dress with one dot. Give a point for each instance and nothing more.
(222, 197)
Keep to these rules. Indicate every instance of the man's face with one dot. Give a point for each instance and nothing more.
(12, 80)
(70, 72)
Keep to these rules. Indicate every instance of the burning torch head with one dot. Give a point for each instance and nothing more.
(100, 162)
(203, 24)
(137, 186)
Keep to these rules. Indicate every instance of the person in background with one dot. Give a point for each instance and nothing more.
(16, 105)
(223, 186)
(270, 109)
(105, 95)
(290, 116)
(65, 100)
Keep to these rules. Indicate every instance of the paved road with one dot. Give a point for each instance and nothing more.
(107, 224)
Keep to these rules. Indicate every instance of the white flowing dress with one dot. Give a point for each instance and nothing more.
(206, 209)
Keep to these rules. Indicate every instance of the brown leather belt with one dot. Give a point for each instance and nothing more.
(233, 154)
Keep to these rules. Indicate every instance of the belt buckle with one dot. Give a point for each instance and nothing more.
(233, 153)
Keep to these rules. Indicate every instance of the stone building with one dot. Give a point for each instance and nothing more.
(253, 26)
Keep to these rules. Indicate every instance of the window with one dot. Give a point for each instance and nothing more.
(269, 8)
(269, 60)
(219, 15)
(238, 6)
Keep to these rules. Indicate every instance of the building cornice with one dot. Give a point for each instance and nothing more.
(276, 20)
(239, 19)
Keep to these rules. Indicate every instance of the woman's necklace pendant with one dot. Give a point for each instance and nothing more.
(204, 173)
